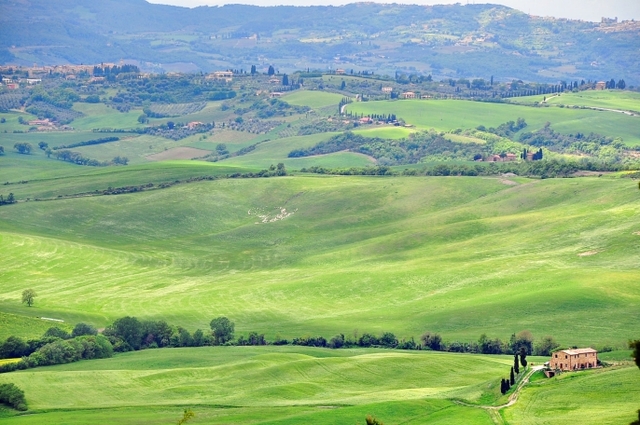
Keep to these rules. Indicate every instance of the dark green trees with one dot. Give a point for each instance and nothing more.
(516, 363)
(23, 148)
(635, 346)
(512, 377)
(285, 80)
(271, 71)
(222, 329)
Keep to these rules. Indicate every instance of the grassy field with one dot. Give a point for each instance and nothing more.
(446, 115)
(609, 99)
(99, 115)
(275, 385)
(313, 99)
(276, 151)
(460, 256)
(385, 132)
(291, 385)
(607, 396)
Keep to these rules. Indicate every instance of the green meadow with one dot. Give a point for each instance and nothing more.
(609, 99)
(313, 99)
(291, 385)
(459, 256)
(447, 115)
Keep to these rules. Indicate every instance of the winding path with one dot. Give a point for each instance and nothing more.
(494, 411)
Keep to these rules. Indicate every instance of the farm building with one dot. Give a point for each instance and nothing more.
(601, 85)
(574, 359)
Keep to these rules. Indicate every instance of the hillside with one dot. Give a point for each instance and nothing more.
(460, 256)
(445, 41)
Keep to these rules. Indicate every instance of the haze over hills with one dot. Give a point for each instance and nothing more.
(444, 41)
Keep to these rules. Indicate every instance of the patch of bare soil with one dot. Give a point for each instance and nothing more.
(587, 253)
(280, 213)
(182, 152)
(508, 182)
(636, 233)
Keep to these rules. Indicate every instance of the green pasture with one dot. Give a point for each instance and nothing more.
(606, 396)
(276, 151)
(99, 115)
(459, 256)
(11, 123)
(313, 99)
(26, 326)
(210, 113)
(609, 99)
(275, 385)
(385, 132)
(234, 140)
(446, 115)
(79, 179)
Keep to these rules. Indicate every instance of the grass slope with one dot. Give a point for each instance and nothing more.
(592, 397)
(460, 256)
(609, 99)
(313, 99)
(280, 385)
(446, 115)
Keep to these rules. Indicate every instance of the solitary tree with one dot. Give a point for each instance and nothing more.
(253, 69)
(516, 363)
(370, 420)
(271, 71)
(512, 377)
(27, 297)
(222, 329)
(285, 80)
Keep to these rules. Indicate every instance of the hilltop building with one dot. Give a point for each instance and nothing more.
(574, 359)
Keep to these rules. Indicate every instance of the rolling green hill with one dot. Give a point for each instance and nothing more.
(460, 256)
(447, 115)
(291, 385)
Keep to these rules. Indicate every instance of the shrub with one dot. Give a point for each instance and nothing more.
(13, 396)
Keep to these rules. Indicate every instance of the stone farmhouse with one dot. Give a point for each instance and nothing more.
(574, 359)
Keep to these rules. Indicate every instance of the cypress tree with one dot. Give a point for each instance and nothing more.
(503, 387)
(523, 357)
(516, 363)
(512, 378)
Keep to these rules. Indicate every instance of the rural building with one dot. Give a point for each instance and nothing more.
(387, 90)
(221, 75)
(13, 86)
(601, 85)
(408, 95)
(276, 94)
(340, 71)
(574, 359)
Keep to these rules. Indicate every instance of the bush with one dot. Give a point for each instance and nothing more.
(83, 329)
(13, 396)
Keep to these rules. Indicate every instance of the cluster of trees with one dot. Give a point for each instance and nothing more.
(519, 358)
(56, 346)
(353, 171)
(13, 396)
(10, 199)
(87, 143)
(106, 71)
(24, 148)
(77, 158)
(507, 129)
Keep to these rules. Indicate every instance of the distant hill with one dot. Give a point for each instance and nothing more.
(445, 41)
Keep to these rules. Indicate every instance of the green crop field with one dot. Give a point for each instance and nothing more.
(289, 385)
(276, 151)
(98, 115)
(313, 99)
(460, 256)
(385, 132)
(609, 99)
(446, 115)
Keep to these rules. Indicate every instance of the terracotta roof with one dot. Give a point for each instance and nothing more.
(575, 351)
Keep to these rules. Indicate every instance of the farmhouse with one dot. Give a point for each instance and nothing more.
(221, 75)
(408, 95)
(574, 359)
(601, 85)
(387, 90)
